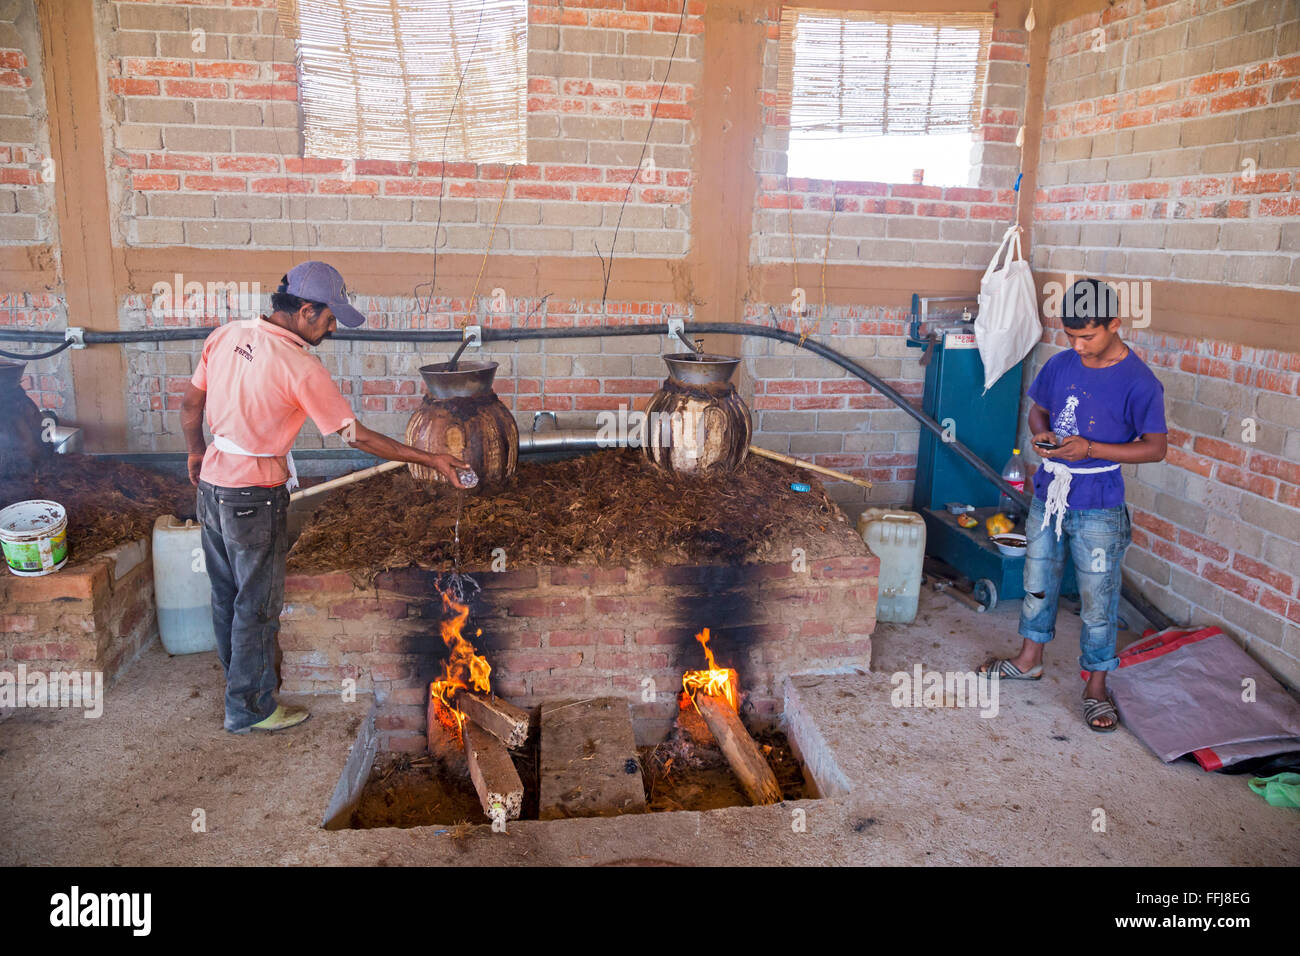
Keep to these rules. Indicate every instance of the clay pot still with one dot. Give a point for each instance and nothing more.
(697, 422)
(21, 448)
(462, 416)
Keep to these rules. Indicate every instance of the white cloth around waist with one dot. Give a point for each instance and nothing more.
(1058, 492)
(221, 443)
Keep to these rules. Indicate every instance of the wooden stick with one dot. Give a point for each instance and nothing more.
(944, 586)
(800, 463)
(346, 479)
(493, 772)
(505, 721)
(740, 750)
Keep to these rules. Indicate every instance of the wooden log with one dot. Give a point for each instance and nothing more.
(348, 479)
(494, 715)
(443, 735)
(493, 772)
(808, 466)
(740, 750)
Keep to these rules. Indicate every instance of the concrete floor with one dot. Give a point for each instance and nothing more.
(941, 786)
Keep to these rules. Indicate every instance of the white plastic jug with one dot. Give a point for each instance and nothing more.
(180, 581)
(897, 538)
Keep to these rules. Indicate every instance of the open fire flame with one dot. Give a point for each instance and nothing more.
(465, 669)
(714, 681)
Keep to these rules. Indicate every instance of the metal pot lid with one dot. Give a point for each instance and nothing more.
(690, 368)
(468, 379)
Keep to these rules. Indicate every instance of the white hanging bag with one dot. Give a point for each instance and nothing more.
(1007, 326)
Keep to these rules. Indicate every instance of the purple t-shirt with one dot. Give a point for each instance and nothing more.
(1115, 405)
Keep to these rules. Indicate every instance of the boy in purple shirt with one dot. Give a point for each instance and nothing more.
(1100, 406)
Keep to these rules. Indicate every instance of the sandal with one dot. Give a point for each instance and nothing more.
(1094, 709)
(1005, 670)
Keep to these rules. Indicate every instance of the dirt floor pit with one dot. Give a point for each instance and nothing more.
(608, 774)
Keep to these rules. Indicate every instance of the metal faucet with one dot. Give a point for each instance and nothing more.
(695, 347)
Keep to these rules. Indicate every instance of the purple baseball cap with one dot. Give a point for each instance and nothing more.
(321, 282)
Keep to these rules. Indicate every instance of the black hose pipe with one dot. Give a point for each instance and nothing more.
(35, 356)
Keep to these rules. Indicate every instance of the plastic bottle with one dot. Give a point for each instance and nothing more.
(1013, 473)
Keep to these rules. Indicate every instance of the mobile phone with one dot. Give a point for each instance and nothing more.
(1046, 446)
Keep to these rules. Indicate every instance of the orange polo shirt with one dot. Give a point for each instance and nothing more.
(262, 383)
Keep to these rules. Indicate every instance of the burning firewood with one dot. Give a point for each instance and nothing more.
(494, 715)
(715, 694)
(493, 772)
(453, 697)
(740, 750)
(484, 725)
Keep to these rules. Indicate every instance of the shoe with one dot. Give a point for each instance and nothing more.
(1094, 710)
(1006, 670)
(282, 718)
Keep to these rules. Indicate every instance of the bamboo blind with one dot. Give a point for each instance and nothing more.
(379, 78)
(877, 73)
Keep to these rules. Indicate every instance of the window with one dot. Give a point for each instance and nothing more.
(876, 96)
(382, 79)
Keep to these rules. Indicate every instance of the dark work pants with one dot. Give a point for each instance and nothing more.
(245, 543)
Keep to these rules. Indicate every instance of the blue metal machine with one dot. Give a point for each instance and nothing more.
(985, 422)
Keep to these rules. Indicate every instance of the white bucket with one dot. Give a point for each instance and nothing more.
(34, 535)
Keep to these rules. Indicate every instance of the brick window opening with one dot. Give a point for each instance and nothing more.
(883, 97)
(412, 80)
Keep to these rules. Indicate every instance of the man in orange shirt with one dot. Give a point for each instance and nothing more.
(258, 383)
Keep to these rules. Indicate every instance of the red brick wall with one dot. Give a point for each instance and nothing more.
(805, 406)
(207, 147)
(552, 632)
(26, 194)
(1169, 143)
(96, 615)
(877, 222)
(27, 198)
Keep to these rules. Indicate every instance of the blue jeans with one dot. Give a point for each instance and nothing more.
(245, 544)
(1097, 539)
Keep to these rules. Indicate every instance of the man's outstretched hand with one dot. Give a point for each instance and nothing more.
(446, 466)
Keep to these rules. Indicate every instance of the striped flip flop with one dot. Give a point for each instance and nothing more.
(1005, 670)
(1093, 709)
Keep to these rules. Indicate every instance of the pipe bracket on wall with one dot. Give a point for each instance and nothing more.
(75, 335)
(676, 330)
(473, 334)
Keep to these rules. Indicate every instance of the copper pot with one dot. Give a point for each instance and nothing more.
(697, 422)
(462, 416)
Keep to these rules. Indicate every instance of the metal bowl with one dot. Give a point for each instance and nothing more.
(468, 379)
(691, 368)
